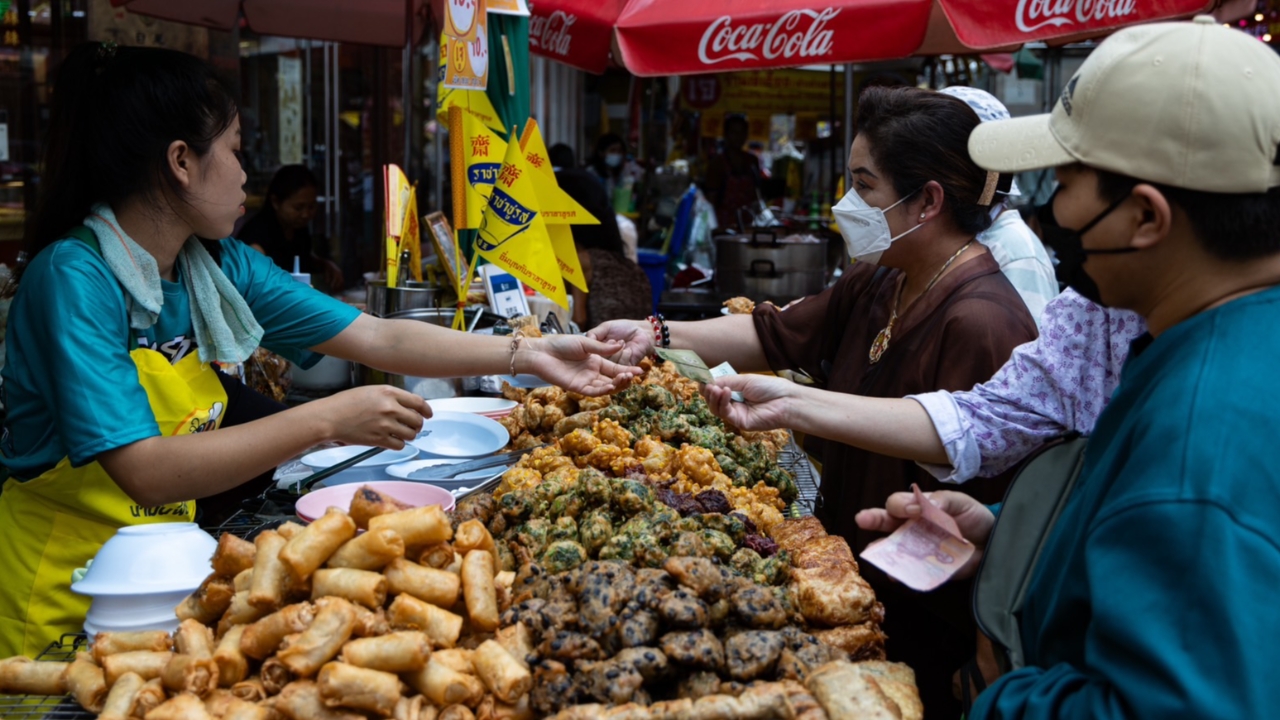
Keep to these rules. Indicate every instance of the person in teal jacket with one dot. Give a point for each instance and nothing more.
(1154, 594)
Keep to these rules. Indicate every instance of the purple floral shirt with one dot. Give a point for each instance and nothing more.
(1054, 385)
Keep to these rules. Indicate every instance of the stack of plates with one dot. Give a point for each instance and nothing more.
(492, 408)
(371, 470)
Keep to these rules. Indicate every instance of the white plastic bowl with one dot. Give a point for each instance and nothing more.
(150, 559)
(118, 610)
(371, 470)
(168, 624)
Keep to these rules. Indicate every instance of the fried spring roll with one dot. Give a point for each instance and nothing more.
(240, 612)
(518, 641)
(317, 542)
(368, 503)
(409, 708)
(208, 602)
(87, 683)
(398, 652)
(479, 590)
(233, 666)
(194, 638)
(146, 663)
(301, 701)
(289, 530)
(445, 686)
(348, 686)
(459, 659)
(263, 637)
(183, 706)
(250, 690)
(321, 642)
(243, 581)
(434, 586)
(191, 674)
(505, 676)
(217, 701)
(519, 711)
(456, 712)
(370, 551)
(120, 699)
(473, 535)
(275, 675)
(238, 709)
(438, 556)
(419, 526)
(362, 587)
(111, 643)
(441, 626)
(233, 556)
(370, 623)
(148, 698)
(270, 576)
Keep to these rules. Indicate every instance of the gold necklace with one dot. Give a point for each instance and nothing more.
(881, 342)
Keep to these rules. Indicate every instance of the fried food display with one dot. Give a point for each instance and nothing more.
(740, 306)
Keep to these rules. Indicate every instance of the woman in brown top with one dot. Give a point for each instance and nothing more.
(952, 320)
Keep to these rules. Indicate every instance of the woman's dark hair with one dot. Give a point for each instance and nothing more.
(1231, 227)
(562, 156)
(116, 111)
(590, 194)
(920, 135)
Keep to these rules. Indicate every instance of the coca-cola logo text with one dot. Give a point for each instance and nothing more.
(551, 33)
(1035, 14)
(797, 34)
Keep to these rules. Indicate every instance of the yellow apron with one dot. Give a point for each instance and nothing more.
(50, 525)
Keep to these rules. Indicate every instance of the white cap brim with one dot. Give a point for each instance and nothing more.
(1017, 145)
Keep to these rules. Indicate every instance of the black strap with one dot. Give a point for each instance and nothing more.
(970, 673)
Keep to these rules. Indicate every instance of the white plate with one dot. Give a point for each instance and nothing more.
(404, 471)
(476, 405)
(321, 459)
(463, 435)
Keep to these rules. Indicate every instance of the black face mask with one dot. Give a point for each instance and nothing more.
(1070, 251)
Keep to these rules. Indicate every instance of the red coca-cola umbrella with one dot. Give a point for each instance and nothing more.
(675, 37)
(366, 22)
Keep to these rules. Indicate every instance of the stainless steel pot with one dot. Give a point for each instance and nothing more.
(382, 301)
(763, 266)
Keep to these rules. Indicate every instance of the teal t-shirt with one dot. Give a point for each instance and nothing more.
(1154, 596)
(70, 387)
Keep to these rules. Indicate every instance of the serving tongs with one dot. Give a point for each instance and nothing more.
(445, 472)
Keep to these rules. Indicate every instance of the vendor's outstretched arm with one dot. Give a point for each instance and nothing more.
(894, 427)
(165, 469)
(408, 347)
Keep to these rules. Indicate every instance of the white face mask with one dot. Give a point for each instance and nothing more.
(865, 229)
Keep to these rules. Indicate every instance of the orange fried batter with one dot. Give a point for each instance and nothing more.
(579, 442)
(609, 431)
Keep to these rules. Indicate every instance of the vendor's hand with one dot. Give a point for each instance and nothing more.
(576, 363)
(767, 406)
(636, 337)
(377, 415)
(974, 519)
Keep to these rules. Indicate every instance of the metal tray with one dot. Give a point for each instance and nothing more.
(793, 459)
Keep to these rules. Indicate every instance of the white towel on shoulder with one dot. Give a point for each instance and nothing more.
(225, 328)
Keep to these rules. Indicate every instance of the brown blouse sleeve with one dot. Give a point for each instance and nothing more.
(980, 334)
(805, 333)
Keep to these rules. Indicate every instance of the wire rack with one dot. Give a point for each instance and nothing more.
(43, 707)
(794, 460)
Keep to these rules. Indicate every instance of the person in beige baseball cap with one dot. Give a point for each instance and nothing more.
(1151, 593)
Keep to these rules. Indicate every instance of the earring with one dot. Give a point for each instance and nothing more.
(921, 216)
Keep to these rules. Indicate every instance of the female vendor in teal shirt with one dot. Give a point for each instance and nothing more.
(121, 312)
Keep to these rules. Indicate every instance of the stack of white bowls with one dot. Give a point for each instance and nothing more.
(142, 574)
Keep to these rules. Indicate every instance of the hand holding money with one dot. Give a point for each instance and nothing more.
(936, 536)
